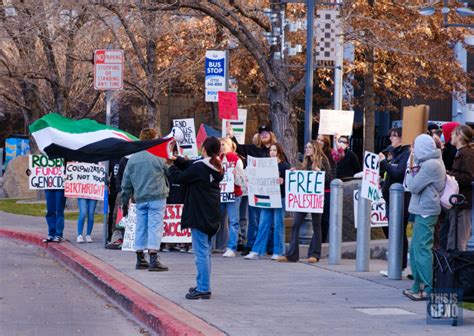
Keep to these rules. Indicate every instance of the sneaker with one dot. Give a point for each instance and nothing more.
(164, 249)
(313, 260)
(191, 251)
(252, 256)
(88, 239)
(229, 254)
(48, 239)
(384, 273)
(183, 250)
(275, 257)
(192, 289)
(80, 239)
(57, 240)
(195, 295)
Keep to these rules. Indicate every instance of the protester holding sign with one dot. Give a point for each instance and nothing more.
(315, 160)
(275, 216)
(200, 180)
(394, 172)
(260, 149)
(426, 181)
(348, 164)
(145, 177)
(86, 209)
(230, 201)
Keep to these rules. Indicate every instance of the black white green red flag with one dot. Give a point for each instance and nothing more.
(86, 140)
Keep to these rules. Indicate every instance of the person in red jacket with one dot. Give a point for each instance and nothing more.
(230, 201)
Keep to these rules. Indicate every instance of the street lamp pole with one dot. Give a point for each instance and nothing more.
(308, 116)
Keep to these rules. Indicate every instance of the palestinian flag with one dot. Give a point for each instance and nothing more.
(262, 200)
(86, 140)
(237, 126)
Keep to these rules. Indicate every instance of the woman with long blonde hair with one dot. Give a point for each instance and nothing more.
(314, 159)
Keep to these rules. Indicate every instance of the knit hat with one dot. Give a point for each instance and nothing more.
(448, 128)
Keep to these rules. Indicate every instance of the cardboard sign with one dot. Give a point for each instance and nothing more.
(128, 243)
(45, 173)
(262, 177)
(378, 214)
(304, 190)
(335, 122)
(227, 186)
(238, 126)
(189, 144)
(371, 177)
(227, 105)
(84, 180)
(172, 232)
(415, 120)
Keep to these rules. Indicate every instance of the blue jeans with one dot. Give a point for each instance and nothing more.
(149, 229)
(234, 222)
(86, 209)
(55, 202)
(202, 257)
(267, 218)
(252, 228)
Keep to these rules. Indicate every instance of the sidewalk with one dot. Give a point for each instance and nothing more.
(263, 297)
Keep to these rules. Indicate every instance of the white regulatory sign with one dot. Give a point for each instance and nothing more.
(108, 69)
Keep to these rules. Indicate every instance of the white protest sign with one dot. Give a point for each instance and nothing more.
(128, 243)
(84, 180)
(378, 215)
(172, 232)
(304, 190)
(188, 144)
(45, 173)
(371, 177)
(238, 126)
(108, 69)
(216, 74)
(263, 188)
(227, 186)
(336, 122)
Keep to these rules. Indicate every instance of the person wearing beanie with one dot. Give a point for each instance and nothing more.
(449, 151)
(425, 180)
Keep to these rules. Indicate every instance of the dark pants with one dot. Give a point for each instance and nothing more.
(111, 215)
(314, 250)
(325, 217)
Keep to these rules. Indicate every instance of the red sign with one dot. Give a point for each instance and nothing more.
(227, 103)
(108, 69)
(201, 136)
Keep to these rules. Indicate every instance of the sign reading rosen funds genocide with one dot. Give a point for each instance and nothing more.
(172, 232)
(84, 180)
(45, 173)
(304, 191)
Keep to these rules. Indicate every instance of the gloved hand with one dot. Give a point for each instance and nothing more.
(125, 210)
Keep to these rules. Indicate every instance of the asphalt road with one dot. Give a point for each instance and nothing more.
(38, 296)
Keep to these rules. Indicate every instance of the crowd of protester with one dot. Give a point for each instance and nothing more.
(231, 227)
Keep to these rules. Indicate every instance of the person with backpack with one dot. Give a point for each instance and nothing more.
(425, 180)
(200, 181)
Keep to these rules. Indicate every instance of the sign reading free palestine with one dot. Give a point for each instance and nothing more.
(216, 74)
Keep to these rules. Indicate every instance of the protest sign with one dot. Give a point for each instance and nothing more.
(227, 186)
(45, 173)
(304, 191)
(371, 177)
(227, 105)
(263, 188)
(84, 180)
(415, 121)
(335, 122)
(238, 126)
(188, 145)
(130, 223)
(172, 232)
(378, 214)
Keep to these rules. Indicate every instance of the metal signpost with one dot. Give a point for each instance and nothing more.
(108, 76)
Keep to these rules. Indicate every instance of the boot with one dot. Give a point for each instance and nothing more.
(155, 264)
(141, 261)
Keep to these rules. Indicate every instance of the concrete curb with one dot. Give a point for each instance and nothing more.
(157, 313)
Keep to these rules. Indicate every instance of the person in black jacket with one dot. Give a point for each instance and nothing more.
(395, 170)
(201, 211)
(349, 164)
